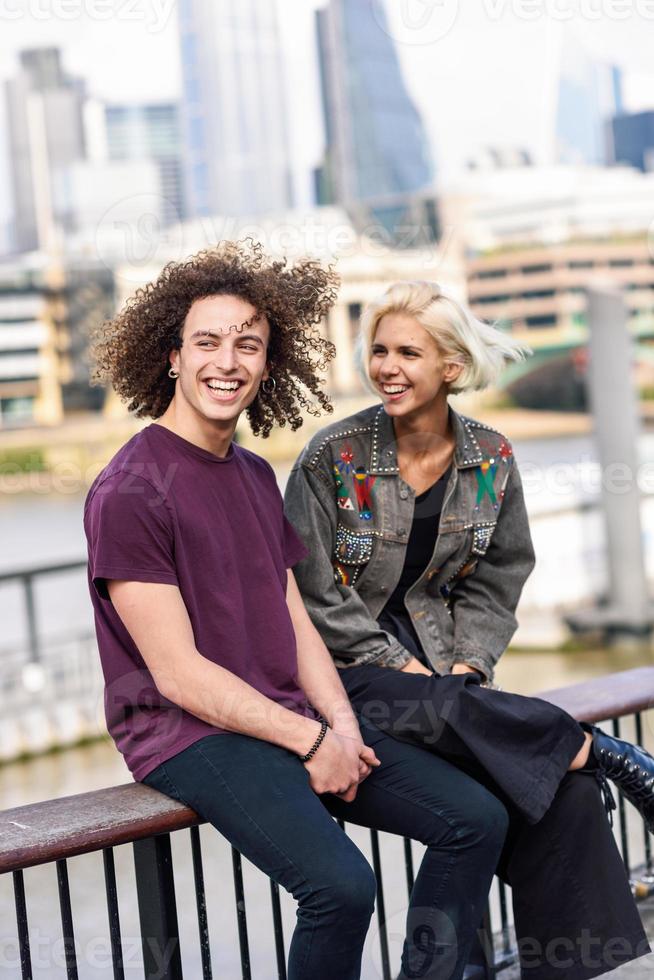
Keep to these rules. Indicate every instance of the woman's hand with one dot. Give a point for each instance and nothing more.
(466, 669)
(414, 666)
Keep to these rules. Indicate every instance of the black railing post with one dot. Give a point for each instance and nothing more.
(381, 910)
(113, 913)
(241, 916)
(485, 946)
(280, 952)
(201, 903)
(647, 843)
(155, 889)
(622, 811)
(67, 920)
(408, 865)
(23, 928)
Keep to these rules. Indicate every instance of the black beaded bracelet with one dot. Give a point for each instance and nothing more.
(318, 742)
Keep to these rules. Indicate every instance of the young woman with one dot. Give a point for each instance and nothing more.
(420, 547)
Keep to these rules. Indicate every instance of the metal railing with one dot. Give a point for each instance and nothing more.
(51, 679)
(25, 579)
(100, 821)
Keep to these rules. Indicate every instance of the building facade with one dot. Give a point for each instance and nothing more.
(377, 159)
(46, 134)
(234, 112)
(589, 93)
(538, 291)
(47, 312)
(150, 132)
(633, 139)
(30, 361)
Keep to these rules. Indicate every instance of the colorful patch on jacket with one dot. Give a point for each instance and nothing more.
(342, 575)
(353, 547)
(485, 483)
(346, 462)
(492, 445)
(481, 538)
(342, 494)
(505, 452)
(363, 484)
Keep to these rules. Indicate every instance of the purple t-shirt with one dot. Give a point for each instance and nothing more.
(165, 510)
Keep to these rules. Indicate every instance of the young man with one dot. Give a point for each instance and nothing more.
(219, 691)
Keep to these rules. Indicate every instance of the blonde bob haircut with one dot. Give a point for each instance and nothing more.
(461, 338)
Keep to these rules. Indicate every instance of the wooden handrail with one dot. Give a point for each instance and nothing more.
(62, 828)
(611, 696)
(43, 832)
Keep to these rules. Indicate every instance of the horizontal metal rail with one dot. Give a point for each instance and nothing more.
(34, 571)
(26, 577)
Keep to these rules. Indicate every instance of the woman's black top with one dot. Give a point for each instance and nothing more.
(394, 617)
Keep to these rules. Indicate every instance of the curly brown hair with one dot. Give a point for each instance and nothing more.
(131, 350)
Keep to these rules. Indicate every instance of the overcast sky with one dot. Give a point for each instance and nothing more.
(483, 73)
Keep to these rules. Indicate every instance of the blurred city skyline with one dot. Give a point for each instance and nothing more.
(499, 151)
(479, 77)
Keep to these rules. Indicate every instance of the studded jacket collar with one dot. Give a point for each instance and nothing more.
(348, 501)
(383, 448)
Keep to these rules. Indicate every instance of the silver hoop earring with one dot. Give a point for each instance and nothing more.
(268, 386)
(172, 373)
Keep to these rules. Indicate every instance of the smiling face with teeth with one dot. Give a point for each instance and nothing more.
(408, 369)
(221, 363)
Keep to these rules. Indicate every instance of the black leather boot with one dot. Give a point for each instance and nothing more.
(629, 767)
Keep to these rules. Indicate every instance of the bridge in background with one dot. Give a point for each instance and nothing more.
(560, 344)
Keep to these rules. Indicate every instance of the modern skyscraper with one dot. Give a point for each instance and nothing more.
(633, 139)
(589, 94)
(150, 132)
(46, 133)
(234, 114)
(377, 156)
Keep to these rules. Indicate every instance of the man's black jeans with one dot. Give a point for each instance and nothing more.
(258, 796)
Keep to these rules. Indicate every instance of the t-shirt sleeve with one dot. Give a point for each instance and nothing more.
(130, 533)
(293, 546)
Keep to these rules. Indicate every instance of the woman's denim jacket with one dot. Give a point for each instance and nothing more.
(348, 502)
